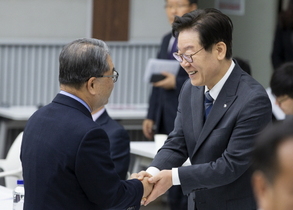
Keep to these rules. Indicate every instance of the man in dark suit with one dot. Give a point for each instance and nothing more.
(221, 110)
(65, 156)
(119, 140)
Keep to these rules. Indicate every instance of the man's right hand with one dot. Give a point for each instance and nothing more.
(148, 187)
(147, 128)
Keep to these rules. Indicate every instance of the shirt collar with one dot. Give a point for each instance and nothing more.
(98, 114)
(214, 92)
(76, 98)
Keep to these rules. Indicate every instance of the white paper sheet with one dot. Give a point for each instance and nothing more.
(157, 66)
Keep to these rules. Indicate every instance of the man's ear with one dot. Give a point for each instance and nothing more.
(90, 85)
(221, 50)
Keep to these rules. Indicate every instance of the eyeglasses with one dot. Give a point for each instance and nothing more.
(188, 58)
(114, 76)
(180, 6)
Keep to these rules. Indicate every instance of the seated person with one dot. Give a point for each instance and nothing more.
(119, 140)
(282, 87)
(272, 159)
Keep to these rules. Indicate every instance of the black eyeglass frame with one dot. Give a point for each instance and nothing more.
(187, 58)
(114, 76)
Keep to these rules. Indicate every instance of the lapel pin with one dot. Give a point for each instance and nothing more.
(225, 105)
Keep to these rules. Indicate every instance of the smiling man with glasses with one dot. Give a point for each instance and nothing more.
(221, 110)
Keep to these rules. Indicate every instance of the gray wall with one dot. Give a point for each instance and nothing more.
(23, 20)
(148, 20)
(55, 20)
(44, 19)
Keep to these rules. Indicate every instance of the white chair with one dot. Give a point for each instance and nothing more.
(12, 170)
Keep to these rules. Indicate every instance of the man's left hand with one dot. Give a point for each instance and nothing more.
(168, 83)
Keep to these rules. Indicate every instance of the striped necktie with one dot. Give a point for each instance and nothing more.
(173, 49)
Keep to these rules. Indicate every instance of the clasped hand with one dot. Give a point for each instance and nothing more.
(160, 184)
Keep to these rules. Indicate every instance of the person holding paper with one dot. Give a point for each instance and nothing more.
(163, 100)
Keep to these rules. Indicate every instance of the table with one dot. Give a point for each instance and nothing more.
(144, 152)
(15, 117)
(6, 202)
(130, 117)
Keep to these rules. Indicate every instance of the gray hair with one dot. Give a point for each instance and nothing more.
(81, 60)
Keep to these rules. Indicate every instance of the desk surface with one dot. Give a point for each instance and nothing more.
(119, 113)
(17, 112)
(147, 149)
(143, 148)
(6, 202)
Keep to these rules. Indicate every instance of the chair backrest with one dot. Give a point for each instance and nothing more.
(12, 161)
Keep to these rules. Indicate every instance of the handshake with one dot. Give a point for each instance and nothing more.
(154, 186)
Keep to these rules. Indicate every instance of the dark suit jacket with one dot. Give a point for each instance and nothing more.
(219, 149)
(282, 47)
(163, 103)
(119, 143)
(67, 165)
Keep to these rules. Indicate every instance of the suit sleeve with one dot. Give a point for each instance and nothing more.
(98, 178)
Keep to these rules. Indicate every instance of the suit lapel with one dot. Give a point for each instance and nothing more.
(224, 100)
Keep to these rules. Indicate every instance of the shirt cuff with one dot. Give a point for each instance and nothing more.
(153, 171)
(175, 177)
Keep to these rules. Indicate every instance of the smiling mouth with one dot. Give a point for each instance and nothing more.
(192, 72)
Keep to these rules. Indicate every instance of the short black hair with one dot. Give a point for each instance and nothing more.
(264, 155)
(282, 80)
(212, 25)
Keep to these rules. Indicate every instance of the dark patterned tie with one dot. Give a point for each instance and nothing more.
(208, 103)
(173, 49)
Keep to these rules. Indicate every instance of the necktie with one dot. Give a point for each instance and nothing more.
(173, 49)
(208, 103)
